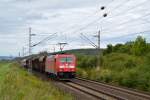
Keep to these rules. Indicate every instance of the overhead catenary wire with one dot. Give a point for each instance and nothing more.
(88, 41)
(132, 26)
(127, 10)
(86, 25)
(92, 43)
(87, 18)
(119, 6)
(108, 4)
(131, 20)
(132, 8)
(95, 20)
(82, 28)
(44, 40)
(22, 36)
(131, 34)
(73, 32)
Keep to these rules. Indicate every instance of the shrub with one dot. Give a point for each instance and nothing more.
(130, 63)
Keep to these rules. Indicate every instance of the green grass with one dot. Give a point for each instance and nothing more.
(17, 84)
(4, 68)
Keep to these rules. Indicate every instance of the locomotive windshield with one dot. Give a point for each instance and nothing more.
(66, 59)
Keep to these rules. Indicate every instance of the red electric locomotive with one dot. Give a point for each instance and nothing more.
(63, 66)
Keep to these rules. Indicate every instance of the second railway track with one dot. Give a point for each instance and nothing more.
(92, 92)
(108, 92)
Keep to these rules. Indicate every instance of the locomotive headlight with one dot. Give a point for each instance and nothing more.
(71, 66)
(61, 66)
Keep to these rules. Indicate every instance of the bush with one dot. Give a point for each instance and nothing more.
(130, 63)
(86, 61)
(120, 61)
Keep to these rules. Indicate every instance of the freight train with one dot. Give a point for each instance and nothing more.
(60, 66)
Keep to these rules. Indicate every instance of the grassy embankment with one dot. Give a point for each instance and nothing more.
(18, 84)
(121, 69)
(124, 64)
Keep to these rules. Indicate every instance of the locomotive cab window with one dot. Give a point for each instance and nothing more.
(66, 59)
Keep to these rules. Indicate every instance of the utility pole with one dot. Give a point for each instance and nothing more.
(98, 50)
(23, 49)
(19, 54)
(29, 41)
(30, 62)
(98, 46)
(99, 39)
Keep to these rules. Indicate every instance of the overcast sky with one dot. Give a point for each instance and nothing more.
(68, 18)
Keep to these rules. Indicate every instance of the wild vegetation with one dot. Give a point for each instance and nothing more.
(123, 64)
(18, 84)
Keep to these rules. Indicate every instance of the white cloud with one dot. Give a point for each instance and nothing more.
(69, 17)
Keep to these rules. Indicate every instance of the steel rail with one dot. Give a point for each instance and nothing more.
(122, 91)
(92, 92)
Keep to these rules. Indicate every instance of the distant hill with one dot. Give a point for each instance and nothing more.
(73, 51)
(6, 58)
(81, 51)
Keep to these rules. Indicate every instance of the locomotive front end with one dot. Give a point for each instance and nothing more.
(66, 66)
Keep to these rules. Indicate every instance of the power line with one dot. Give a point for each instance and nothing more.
(131, 20)
(131, 34)
(133, 26)
(88, 41)
(45, 39)
(128, 10)
(92, 43)
(96, 20)
(87, 18)
(120, 5)
(84, 27)
(89, 24)
(109, 3)
(14, 36)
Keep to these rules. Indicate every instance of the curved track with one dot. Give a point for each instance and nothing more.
(107, 92)
(84, 89)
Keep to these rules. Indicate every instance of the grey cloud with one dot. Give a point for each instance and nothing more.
(50, 16)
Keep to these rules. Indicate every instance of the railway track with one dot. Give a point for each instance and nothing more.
(106, 92)
(96, 95)
(84, 89)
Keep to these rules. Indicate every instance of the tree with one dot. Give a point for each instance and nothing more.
(109, 48)
(139, 46)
